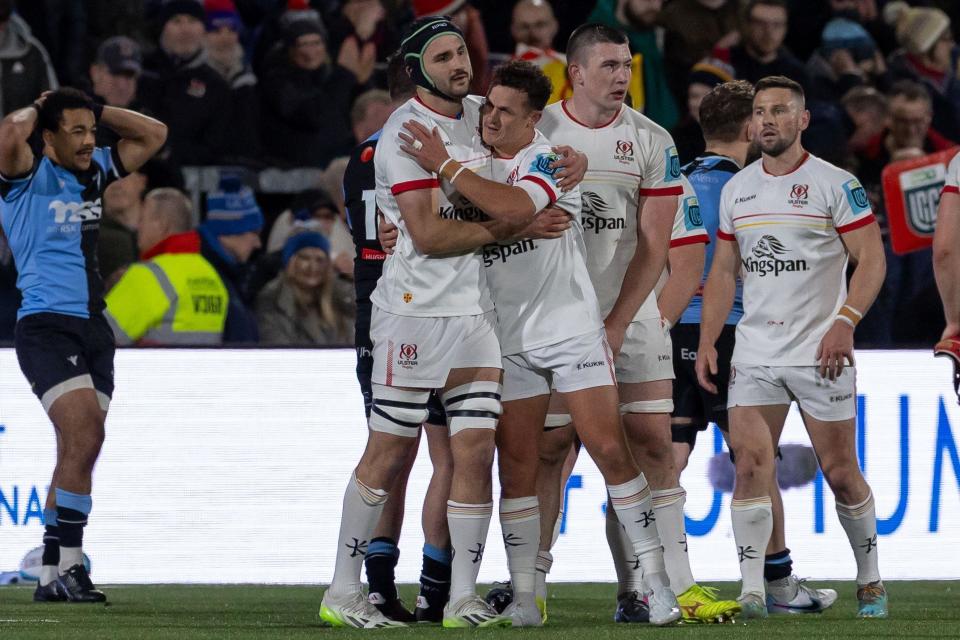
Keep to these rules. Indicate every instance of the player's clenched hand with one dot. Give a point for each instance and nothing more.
(548, 224)
(387, 233)
(836, 346)
(706, 366)
(424, 145)
(571, 167)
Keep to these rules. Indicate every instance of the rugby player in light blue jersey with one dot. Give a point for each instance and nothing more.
(50, 208)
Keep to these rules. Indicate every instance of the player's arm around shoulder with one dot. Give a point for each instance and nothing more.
(16, 157)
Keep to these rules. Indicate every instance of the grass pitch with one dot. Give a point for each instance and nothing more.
(576, 611)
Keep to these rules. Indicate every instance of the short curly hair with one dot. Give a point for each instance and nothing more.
(526, 78)
(725, 109)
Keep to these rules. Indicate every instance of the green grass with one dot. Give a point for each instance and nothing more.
(577, 611)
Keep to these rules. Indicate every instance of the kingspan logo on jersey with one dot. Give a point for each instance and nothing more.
(466, 211)
(766, 259)
(592, 214)
(501, 252)
(64, 212)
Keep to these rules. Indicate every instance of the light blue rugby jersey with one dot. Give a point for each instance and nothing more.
(51, 217)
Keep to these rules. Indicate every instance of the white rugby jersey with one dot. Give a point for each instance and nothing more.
(541, 288)
(414, 284)
(687, 229)
(953, 176)
(793, 261)
(630, 157)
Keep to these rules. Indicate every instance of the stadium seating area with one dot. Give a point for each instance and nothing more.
(282, 90)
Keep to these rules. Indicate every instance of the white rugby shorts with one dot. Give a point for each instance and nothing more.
(646, 354)
(410, 351)
(581, 362)
(819, 397)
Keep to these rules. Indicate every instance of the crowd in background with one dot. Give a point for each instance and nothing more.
(257, 84)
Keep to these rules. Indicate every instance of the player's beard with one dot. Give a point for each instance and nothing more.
(753, 152)
(778, 147)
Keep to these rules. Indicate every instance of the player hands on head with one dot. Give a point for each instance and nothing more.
(50, 211)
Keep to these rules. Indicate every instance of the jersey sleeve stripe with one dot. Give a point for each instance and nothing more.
(413, 185)
(701, 238)
(663, 191)
(950, 188)
(723, 235)
(551, 194)
(856, 224)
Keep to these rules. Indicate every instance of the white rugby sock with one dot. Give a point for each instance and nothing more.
(70, 556)
(860, 523)
(362, 507)
(48, 573)
(752, 525)
(634, 507)
(520, 523)
(544, 564)
(668, 504)
(469, 524)
(624, 559)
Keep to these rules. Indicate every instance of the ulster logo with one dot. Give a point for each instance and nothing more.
(798, 195)
(407, 358)
(766, 258)
(624, 151)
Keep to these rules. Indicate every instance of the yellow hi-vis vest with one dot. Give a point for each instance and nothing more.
(172, 299)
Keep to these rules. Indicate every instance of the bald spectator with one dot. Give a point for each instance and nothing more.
(761, 52)
(693, 28)
(25, 68)
(369, 113)
(179, 88)
(534, 28)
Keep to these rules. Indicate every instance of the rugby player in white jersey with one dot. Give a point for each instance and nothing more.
(432, 327)
(946, 266)
(630, 197)
(789, 223)
(551, 336)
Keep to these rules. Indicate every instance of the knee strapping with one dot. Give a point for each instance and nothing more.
(557, 420)
(647, 406)
(475, 405)
(398, 411)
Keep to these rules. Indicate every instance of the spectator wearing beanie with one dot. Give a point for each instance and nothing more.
(306, 98)
(226, 56)
(847, 58)
(928, 55)
(228, 238)
(179, 88)
(468, 19)
(306, 305)
(704, 76)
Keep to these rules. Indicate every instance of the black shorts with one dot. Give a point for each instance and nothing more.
(690, 400)
(60, 353)
(435, 413)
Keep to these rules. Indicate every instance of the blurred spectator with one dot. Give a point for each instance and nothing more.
(638, 19)
(228, 238)
(534, 28)
(314, 210)
(108, 18)
(117, 243)
(929, 55)
(847, 57)
(114, 75)
(179, 88)
(61, 26)
(704, 76)
(367, 23)
(761, 52)
(25, 68)
(226, 56)
(369, 112)
(306, 97)
(693, 28)
(471, 24)
(868, 111)
(307, 304)
(9, 294)
(175, 296)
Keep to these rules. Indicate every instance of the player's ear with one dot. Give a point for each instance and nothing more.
(535, 117)
(575, 73)
(804, 120)
(47, 136)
